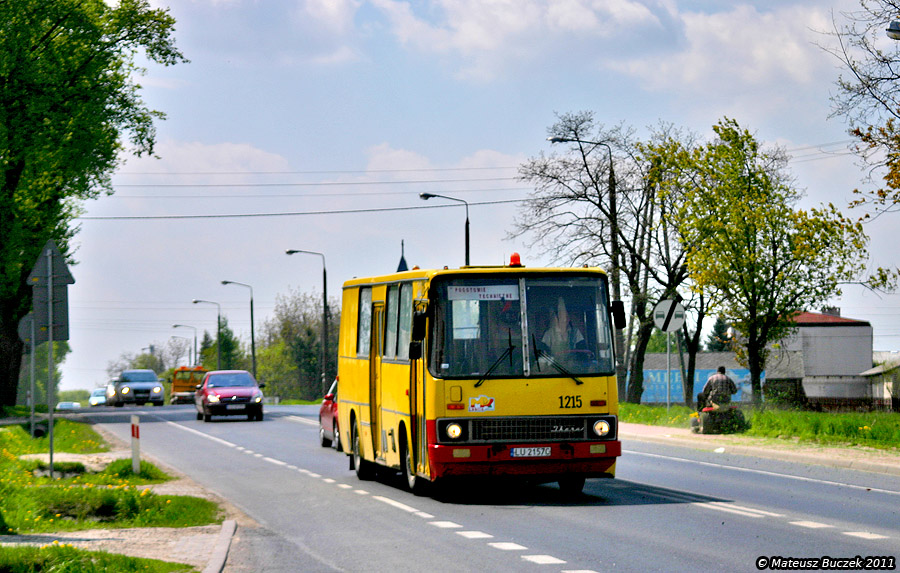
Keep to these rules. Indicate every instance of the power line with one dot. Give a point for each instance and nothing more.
(305, 195)
(319, 183)
(318, 172)
(288, 214)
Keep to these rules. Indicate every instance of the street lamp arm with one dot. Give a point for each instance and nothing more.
(427, 196)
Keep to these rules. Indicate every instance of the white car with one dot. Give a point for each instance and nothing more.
(98, 397)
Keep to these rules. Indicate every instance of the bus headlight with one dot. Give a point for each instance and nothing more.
(601, 428)
(454, 431)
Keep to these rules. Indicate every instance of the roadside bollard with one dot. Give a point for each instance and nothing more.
(135, 445)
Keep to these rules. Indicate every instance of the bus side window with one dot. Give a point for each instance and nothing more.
(364, 325)
(405, 325)
(390, 322)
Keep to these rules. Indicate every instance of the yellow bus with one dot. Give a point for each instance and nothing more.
(480, 371)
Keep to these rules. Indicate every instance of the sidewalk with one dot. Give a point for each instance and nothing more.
(857, 458)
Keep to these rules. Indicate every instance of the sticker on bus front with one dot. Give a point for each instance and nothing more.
(481, 404)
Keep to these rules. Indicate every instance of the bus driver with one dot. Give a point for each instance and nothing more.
(561, 336)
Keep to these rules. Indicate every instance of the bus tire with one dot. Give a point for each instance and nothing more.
(365, 470)
(417, 485)
(571, 486)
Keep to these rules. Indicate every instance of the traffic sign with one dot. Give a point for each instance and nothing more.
(49, 279)
(668, 315)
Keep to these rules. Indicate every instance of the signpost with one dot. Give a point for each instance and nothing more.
(49, 279)
(668, 316)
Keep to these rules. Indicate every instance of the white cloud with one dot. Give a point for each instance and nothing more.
(491, 36)
(384, 157)
(760, 48)
(197, 157)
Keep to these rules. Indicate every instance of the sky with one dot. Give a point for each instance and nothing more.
(315, 124)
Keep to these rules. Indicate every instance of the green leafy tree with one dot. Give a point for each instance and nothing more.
(275, 367)
(68, 109)
(60, 351)
(296, 326)
(229, 350)
(768, 259)
(232, 356)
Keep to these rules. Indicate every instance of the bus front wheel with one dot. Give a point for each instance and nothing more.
(365, 470)
(571, 486)
(414, 483)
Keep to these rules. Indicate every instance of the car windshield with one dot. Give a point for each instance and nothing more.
(550, 325)
(99, 392)
(139, 376)
(230, 380)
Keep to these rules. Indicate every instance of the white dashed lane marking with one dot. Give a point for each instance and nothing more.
(811, 524)
(507, 546)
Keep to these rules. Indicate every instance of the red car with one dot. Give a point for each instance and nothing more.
(329, 434)
(229, 393)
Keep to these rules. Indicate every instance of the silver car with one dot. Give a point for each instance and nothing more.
(135, 387)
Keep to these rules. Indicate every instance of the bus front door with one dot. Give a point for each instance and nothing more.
(375, 378)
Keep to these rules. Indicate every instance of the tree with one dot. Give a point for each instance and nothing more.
(600, 203)
(768, 260)
(295, 330)
(60, 350)
(869, 97)
(719, 340)
(67, 105)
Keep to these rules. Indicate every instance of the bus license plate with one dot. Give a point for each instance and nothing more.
(234, 407)
(530, 452)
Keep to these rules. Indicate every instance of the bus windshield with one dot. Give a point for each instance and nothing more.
(498, 327)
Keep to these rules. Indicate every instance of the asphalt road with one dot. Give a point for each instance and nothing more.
(669, 509)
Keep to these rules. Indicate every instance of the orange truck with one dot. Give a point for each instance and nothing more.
(184, 383)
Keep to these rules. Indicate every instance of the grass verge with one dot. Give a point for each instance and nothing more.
(32, 502)
(871, 429)
(60, 558)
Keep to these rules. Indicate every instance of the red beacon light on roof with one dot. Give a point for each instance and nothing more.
(515, 260)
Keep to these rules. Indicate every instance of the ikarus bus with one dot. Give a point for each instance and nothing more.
(480, 371)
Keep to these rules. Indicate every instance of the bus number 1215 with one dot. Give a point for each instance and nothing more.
(569, 401)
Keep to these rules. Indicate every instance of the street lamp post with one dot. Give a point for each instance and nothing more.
(194, 328)
(324, 312)
(615, 248)
(218, 330)
(427, 196)
(252, 338)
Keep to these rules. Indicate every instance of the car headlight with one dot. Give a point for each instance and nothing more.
(601, 428)
(125, 389)
(213, 398)
(257, 398)
(157, 389)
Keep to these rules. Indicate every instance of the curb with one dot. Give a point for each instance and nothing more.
(220, 551)
(828, 459)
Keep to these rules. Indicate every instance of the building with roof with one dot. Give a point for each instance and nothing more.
(836, 351)
(827, 362)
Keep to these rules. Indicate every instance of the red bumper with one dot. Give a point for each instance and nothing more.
(590, 459)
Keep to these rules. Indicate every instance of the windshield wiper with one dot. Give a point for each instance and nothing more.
(508, 351)
(538, 354)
